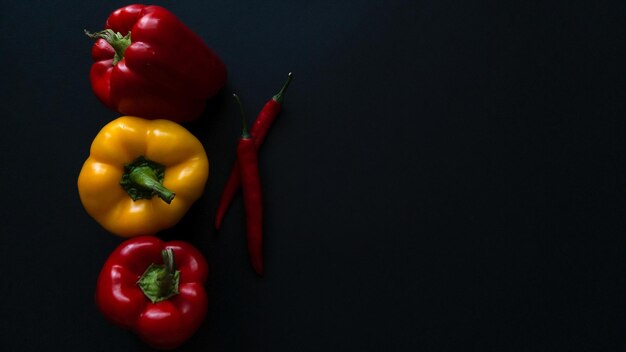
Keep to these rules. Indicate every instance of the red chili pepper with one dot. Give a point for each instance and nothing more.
(252, 195)
(259, 130)
(147, 63)
(140, 289)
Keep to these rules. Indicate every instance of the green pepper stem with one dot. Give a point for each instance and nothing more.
(160, 281)
(244, 130)
(165, 278)
(145, 177)
(280, 96)
(118, 41)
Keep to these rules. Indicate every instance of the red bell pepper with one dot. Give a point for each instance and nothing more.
(155, 289)
(147, 63)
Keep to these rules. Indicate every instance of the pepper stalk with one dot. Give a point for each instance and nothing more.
(160, 282)
(118, 41)
(280, 96)
(143, 178)
(244, 130)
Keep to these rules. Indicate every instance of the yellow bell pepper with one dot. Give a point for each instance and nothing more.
(142, 175)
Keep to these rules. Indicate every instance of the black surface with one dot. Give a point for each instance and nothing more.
(446, 176)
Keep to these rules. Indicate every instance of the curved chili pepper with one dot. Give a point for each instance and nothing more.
(252, 196)
(259, 130)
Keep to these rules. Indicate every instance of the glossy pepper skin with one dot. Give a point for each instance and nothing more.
(126, 197)
(147, 63)
(182, 307)
(259, 130)
(253, 200)
(248, 164)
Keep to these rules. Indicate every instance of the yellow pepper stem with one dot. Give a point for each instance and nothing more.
(143, 179)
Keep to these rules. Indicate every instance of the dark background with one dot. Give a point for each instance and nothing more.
(446, 176)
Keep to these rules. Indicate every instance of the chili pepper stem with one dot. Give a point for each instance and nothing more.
(244, 130)
(280, 96)
(118, 41)
(145, 177)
